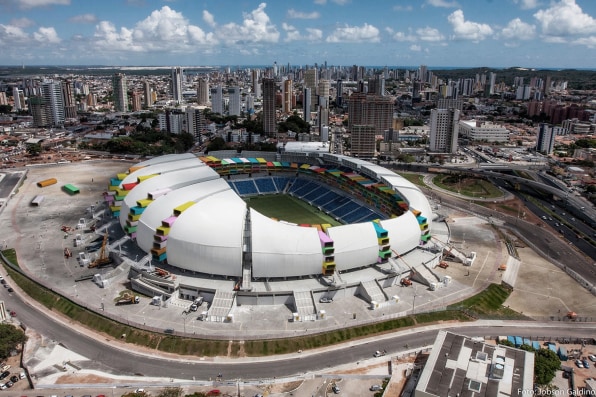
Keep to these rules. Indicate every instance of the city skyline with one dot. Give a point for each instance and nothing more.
(458, 33)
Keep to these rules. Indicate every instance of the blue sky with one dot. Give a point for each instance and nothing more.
(467, 33)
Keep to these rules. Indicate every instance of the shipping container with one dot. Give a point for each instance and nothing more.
(47, 182)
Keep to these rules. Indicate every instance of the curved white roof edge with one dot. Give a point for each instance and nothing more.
(163, 168)
(280, 249)
(208, 236)
(163, 208)
(173, 180)
(166, 158)
(403, 232)
(355, 245)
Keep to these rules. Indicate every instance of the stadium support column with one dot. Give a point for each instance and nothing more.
(328, 254)
(247, 255)
(383, 240)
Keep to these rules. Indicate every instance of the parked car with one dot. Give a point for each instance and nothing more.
(9, 384)
(586, 363)
(592, 357)
(579, 363)
(14, 379)
(324, 299)
(335, 389)
(4, 374)
(375, 388)
(10, 290)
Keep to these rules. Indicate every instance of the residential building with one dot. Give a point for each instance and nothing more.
(287, 96)
(120, 88)
(444, 129)
(311, 81)
(137, 104)
(217, 99)
(363, 141)
(203, 92)
(54, 102)
(177, 84)
(147, 94)
(370, 109)
(306, 98)
(269, 120)
(476, 130)
(70, 108)
(469, 367)
(256, 86)
(235, 105)
(545, 141)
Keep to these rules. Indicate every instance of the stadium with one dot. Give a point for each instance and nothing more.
(206, 219)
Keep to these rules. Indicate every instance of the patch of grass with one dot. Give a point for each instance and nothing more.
(471, 187)
(289, 209)
(416, 179)
(11, 255)
(487, 304)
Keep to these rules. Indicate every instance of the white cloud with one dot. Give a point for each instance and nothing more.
(429, 34)
(518, 30)
(353, 34)
(421, 34)
(46, 35)
(293, 14)
(320, 2)
(12, 34)
(415, 47)
(565, 18)
(84, 18)
(256, 28)
(527, 4)
(41, 3)
(293, 34)
(442, 3)
(22, 22)
(589, 42)
(208, 18)
(467, 30)
(402, 8)
(341, 2)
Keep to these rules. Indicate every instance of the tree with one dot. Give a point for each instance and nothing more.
(34, 149)
(546, 363)
(5, 109)
(171, 392)
(10, 338)
(216, 144)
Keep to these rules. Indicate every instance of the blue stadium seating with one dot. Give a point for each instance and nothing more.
(265, 185)
(245, 187)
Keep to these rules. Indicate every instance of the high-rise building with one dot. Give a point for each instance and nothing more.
(363, 141)
(16, 96)
(311, 81)
(545, 140)
(70, 108)
(195, 122)
(3, 98)
(147, 94)
(177, 84)
(492, 81)
(136, 101)
(217, 99)
(269, 121)
(306, 103)
(287, 94)
(256, 86)
(120, 92)
(54, 102)
(203, 91)
(339, 93)
(324, 88)
(370, 109)
(444, 130)
(449, 103)
(235, 105)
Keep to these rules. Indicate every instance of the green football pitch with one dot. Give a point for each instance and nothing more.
(290, 209)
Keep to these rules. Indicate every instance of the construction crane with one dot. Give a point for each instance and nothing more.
(103, 259)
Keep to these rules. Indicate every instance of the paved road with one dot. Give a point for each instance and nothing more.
(114, 358)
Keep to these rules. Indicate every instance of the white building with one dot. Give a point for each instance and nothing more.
(476, 130)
